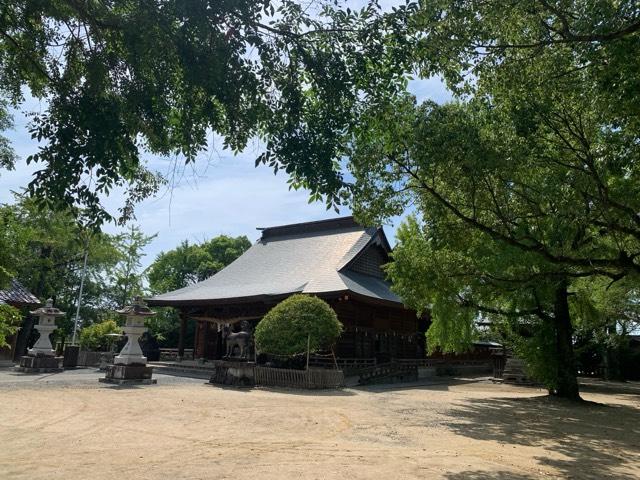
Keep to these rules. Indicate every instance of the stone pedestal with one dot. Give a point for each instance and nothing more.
(130, 366)
(39, 364)
(129, 375)
(233, 373)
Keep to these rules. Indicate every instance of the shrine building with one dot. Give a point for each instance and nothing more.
(336, 260)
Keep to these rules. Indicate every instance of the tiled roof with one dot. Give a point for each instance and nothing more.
(17, 295)
(302, 258)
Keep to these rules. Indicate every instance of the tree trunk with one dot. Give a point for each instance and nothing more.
(567, 382)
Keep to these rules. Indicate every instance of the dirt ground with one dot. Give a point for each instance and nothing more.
(68, 426)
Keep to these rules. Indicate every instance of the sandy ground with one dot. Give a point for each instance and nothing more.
(67, 426)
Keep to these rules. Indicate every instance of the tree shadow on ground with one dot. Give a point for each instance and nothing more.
(593, 439)
(437, 383)
(486, 475)
(328, 392)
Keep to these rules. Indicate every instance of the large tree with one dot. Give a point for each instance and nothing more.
(119, 78)
(525, 184)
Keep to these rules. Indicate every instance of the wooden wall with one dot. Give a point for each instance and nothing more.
(370, 331)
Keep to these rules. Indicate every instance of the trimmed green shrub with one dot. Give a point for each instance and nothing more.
(94, 337)
(285, 329)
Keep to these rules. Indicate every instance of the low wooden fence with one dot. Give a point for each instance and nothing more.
(347, 365)
(315, 378)
(172, 354)
(390, 372)
(450, 366)
(435, 362)
(356, 363)
(440, 366)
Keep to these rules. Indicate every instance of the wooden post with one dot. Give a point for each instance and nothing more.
(308, 349)
(181, 335)
(335, 360)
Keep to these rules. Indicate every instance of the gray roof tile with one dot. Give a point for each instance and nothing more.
(302, 258)
(16, 294)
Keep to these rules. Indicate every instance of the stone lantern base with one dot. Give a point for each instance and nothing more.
(39, 364)
(129, 375)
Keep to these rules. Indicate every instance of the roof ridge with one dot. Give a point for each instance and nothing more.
(338, 223)
(311, 222)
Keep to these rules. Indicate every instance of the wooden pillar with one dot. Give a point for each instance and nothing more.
(196, 341)
(181, 335)
(219, 342)
(204, 339)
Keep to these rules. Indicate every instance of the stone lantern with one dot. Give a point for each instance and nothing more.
(130, 366)
(41, 358)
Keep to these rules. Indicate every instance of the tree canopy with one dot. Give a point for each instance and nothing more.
(127, 275)
(524, 184)
(123, 78)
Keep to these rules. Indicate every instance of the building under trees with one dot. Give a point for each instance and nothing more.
(336, 260)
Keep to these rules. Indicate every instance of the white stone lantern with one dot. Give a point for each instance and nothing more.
(134, 327)
(42, 358)
(46, 325)
(130, 366)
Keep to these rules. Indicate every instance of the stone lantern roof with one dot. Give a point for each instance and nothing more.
(137, 308)
(49, 310)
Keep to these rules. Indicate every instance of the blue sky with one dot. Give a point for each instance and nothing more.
(220, 194)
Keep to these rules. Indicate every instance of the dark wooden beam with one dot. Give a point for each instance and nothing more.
(181, 335)
(224, 320)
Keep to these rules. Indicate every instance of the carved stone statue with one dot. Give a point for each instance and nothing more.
(241, 339)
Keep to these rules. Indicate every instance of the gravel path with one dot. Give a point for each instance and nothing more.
(68, 426)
